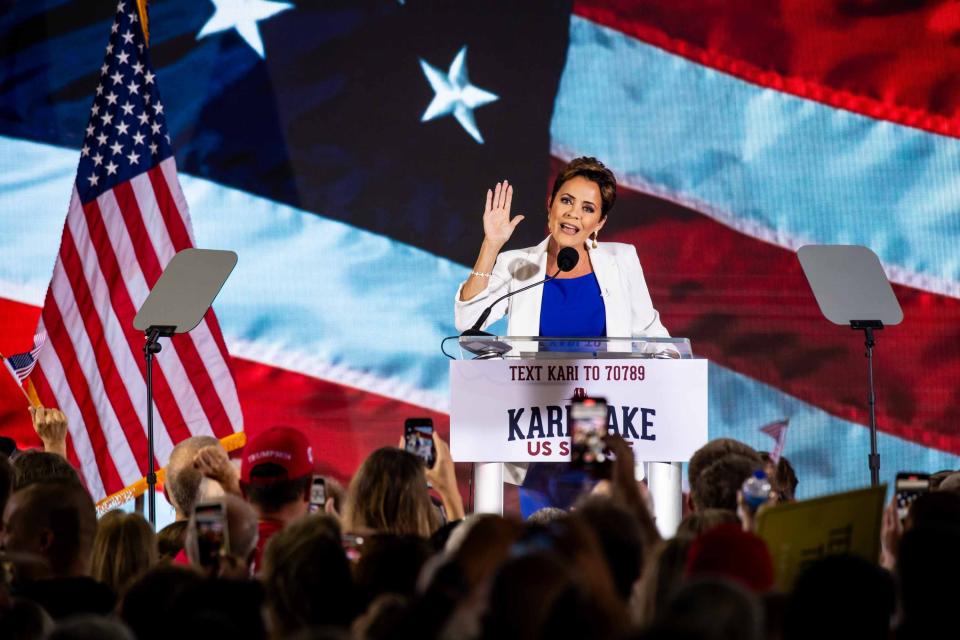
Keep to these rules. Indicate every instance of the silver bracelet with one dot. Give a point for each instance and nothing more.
(481, 274)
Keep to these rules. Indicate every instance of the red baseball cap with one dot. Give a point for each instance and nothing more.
(282, 446)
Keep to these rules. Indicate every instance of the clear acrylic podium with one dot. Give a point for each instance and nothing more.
(664, 477)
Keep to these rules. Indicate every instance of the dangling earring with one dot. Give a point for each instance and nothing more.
(594, 236)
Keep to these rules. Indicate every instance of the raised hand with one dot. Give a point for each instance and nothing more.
(497, 225)
(51, 426)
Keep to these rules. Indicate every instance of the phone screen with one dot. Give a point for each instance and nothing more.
(588, 426)
(418, 439)
(352, 546)
(909, 486)
(211, 526)
(318, 494)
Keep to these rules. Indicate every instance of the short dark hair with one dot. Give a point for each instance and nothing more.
(716, 487)
(594, 171)
(32, 466)
(68, 511)
(713, 451)
(270, 491)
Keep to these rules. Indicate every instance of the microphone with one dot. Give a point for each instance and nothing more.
(567, 259)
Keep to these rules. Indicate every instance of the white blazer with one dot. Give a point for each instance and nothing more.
(629, 310)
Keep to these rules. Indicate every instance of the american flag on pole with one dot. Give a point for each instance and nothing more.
(778, 431)
(21, 364)
(127, 219)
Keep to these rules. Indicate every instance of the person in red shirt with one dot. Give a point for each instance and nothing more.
(275, 474)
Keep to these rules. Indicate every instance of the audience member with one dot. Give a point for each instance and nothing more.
(389, 494)
(712, 609)
(928, 564)
(840, 597)
(782, 477)
(147, 607)
(182, 479)
(390, 564)
(950, 484)
(546, 515)
(275, 475)
(56, 522)
(717, 485)
(124, 547)
(715, 450)
(663, 574)
(236, 561)
(6, 482)
(307, 577)
(171, 540)
(34, 466)
(89, 627)
(621, 539)
(23, 619)
(727, 551)
(704, 520)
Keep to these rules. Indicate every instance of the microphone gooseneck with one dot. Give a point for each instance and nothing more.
(567, 259)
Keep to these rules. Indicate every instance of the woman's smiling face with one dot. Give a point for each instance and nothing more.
(575, 212)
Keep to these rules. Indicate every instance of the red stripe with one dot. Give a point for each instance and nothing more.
(123, 307)
(745, 304)
(113, 386)
(196, 371)
(891, 65)
(60, 340)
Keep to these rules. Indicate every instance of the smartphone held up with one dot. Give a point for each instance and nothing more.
(211, 540)
(588, 427)
(418, 439)
(909, 486)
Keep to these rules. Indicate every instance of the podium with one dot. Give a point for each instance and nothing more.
(510, 399)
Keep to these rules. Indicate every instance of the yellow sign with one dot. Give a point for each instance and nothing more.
(800, 533)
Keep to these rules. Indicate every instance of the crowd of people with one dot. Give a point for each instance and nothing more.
(393, 555)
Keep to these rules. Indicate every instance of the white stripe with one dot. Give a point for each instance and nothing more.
(117, 444)
(57, 379)
(756, 230)
(168, 360)
(127, 367)
(201, 336)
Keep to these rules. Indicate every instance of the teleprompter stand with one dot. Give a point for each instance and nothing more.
(852, 289)
(177, 304)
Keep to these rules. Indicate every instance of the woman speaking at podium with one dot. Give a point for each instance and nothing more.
(604, 294)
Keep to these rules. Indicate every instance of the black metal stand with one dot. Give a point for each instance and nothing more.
(150, 348)
(868, 327)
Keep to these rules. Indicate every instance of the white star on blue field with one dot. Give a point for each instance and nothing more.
(455, 94)
(242, 15)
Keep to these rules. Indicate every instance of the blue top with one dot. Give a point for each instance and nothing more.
(573, 307)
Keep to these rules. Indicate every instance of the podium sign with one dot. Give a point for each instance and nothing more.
(518, 410)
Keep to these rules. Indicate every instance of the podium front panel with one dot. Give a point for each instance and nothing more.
(518, 410)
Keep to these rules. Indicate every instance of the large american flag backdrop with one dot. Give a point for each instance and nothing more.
(343, 150)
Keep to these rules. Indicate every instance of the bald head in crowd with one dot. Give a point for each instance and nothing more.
(183, 482)
(54, 521)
